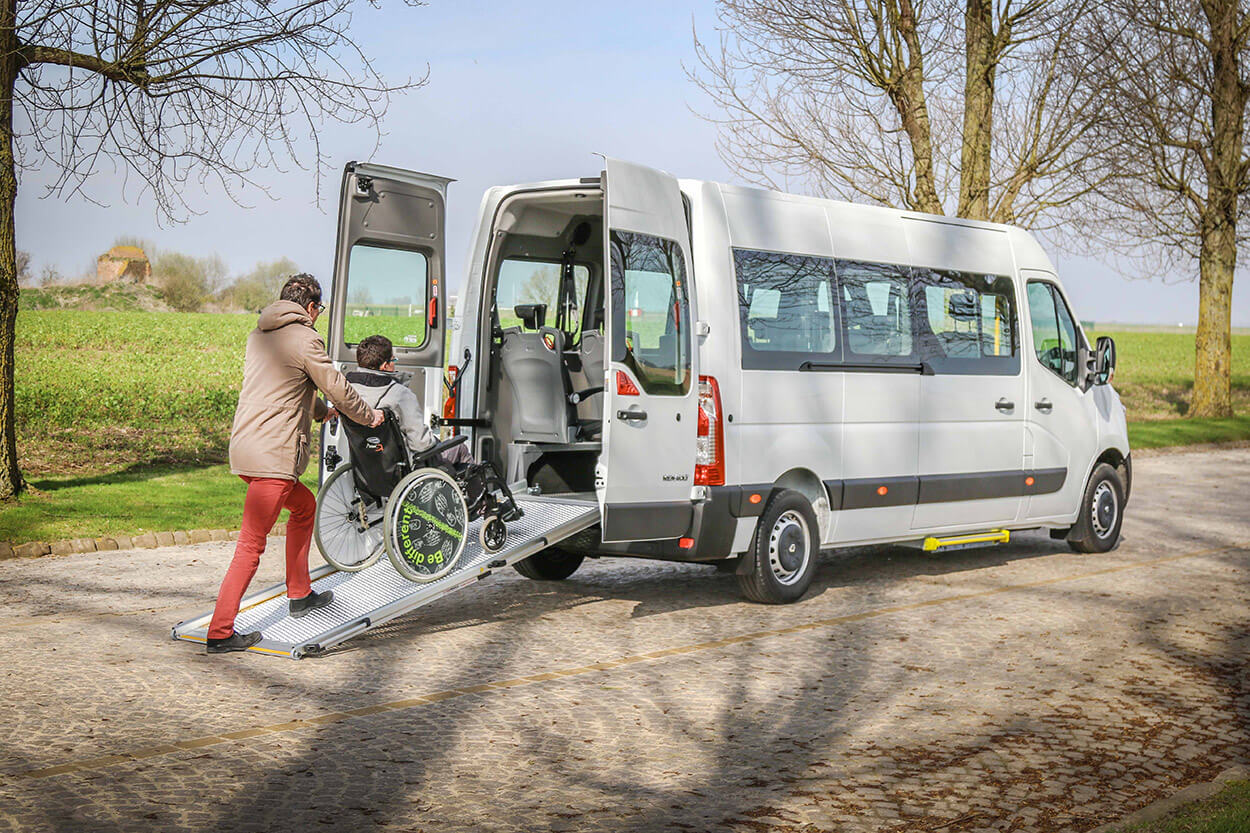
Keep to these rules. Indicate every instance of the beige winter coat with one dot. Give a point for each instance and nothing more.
(285, 365)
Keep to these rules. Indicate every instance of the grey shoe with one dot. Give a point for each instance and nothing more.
(234, 642)
(311, 602)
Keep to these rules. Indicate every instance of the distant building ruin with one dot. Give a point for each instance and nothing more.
(123, 263)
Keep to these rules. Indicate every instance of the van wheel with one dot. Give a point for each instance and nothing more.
(783, 555)
(1097, 528)
(551, 564)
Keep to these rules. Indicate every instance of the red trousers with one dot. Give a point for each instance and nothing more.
(266, 497)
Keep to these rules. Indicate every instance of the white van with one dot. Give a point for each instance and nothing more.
(743, 377)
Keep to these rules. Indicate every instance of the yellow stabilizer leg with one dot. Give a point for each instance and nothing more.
(997, 536)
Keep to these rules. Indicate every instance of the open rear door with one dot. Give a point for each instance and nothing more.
(650, 409)
(389, 264)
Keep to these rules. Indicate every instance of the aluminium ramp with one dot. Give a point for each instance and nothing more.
(377, 594)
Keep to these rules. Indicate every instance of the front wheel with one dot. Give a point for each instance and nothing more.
(783, 555)
(493, 534)
(1097, 527)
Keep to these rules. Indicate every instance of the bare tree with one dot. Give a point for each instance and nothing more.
(169, 92)
(874, 99)
(1175, 175)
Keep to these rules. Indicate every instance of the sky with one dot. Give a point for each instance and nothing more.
(517, 93)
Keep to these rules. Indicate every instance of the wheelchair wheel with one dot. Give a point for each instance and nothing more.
(493, 534)
(347, 526)
(426, 522)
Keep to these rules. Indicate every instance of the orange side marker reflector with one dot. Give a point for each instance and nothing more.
(686, 543)
(755, 498)
(1028, 481)
(883, 491)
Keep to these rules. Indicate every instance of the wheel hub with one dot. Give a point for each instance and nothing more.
(1104, 508)
(789, 547)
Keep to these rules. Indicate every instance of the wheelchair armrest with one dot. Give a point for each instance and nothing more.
(578, 396)
(433, 451)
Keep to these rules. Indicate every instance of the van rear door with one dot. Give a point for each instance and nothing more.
(651, 396)
(389, 272)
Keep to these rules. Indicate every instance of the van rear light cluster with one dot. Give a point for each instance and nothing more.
(709, 464)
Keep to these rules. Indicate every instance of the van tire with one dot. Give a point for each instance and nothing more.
(1097, 527)
(773, 576)
(552, 564)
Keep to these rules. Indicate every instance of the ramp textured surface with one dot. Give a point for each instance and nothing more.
(377, 594)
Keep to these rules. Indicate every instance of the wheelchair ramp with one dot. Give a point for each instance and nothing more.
(377, 594)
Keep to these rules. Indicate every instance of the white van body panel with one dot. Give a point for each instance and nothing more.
(826, 433)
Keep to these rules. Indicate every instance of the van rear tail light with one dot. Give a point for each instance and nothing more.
(624, 385)
(709, 464)
(449, 404)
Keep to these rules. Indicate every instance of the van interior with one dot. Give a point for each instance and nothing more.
(540, 389)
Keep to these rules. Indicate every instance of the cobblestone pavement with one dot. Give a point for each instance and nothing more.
(1022, 688)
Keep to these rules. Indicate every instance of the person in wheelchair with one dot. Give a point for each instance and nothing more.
(377, 384)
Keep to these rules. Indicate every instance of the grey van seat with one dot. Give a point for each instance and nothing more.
(540, 406)
(593, 365)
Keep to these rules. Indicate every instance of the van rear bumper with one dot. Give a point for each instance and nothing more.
(712, 526)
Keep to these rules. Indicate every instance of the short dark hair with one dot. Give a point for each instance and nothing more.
(303, 289)
(373, 352)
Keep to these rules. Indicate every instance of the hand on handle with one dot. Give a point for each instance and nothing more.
(378, 416)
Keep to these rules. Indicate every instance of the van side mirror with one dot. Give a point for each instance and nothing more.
(1104, 360)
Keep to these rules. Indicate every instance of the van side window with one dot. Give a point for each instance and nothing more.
(1054, 333)
(387, 295)
(786, 308)
(876, 310)
(651, 312)
(967, 321)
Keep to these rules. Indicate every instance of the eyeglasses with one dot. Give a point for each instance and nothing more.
(321, 307)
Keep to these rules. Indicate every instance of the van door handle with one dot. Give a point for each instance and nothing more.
(631, 416)
(1044, 405)
(1005, 404)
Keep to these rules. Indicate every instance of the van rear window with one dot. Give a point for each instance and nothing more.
(787, 307)
(651, 312)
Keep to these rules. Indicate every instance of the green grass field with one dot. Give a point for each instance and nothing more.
(124, 417)
(1227, 812)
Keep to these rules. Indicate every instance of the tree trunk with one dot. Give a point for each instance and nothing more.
(10, 474)
(980, 63)
(1214, 347)
(1217, 259)
(913, 110)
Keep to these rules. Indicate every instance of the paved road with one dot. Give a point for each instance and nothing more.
(1023, 688)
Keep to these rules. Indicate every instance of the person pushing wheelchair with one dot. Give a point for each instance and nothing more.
(284, 367)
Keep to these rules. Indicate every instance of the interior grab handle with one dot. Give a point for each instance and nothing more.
(631, 416)
(1044, 405)
(1005, 404)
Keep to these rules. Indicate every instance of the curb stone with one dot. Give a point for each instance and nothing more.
(147, 540)
(1166, 806)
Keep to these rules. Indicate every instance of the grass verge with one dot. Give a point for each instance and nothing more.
(1226, 812)
(1158, 433)
(131, 502)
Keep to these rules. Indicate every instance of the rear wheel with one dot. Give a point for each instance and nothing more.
(783, 555)
(551, 564)
(1097, 527)
(347, 526)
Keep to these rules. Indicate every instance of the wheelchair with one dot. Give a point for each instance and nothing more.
(412, 506)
